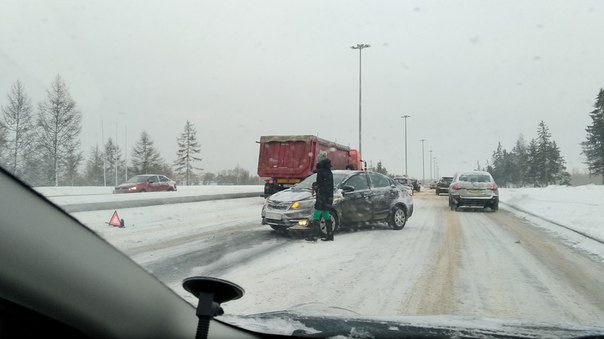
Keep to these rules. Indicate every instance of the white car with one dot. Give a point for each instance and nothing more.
(473, 189)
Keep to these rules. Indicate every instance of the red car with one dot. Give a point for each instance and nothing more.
(146, 183)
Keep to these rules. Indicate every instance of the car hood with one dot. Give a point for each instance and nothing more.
(291, 195)
(329, 322)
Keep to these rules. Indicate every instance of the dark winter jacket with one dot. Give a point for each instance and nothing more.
(324, 185)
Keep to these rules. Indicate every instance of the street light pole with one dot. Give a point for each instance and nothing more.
(405, 117)
(431, 176)
(360, 48)
(423, 163)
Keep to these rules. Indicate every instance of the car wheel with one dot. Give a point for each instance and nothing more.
(142, 191)
(452, 206)
(495, 206)
(398, 218)
(437, 192)
(171, 189)
(335, 225)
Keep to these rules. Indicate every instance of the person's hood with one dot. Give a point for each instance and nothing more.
(316, 320)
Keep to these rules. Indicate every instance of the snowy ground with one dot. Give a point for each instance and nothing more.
(560, 209)
(470, 263)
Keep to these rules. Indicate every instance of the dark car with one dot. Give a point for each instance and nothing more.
(404, 183)
(359, 197)
(146, 183)
(442, 186)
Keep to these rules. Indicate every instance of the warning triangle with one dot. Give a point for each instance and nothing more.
(115, 220)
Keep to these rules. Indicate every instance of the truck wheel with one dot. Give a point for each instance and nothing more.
(398, 218)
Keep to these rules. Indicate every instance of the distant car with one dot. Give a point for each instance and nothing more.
(405, 183)
(474, 188)
(415, 184)
(359, 197)
(442, 186)
(433, 185)
(146, 183)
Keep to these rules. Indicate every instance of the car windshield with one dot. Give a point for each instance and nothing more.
(233, 107)
(475, 178)
(138, 179)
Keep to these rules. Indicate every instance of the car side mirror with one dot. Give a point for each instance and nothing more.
(347, 188)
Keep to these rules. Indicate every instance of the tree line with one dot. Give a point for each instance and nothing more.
(539, 163)
(43, 148)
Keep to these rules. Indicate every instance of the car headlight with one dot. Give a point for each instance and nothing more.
(301, 204)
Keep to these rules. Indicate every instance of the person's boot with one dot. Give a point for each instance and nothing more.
(315, 228)
(329, 227)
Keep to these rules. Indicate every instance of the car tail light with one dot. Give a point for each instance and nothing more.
(493, 187)
(455, 186)
(269, 181)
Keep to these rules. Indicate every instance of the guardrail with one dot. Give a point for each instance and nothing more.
(110, 205)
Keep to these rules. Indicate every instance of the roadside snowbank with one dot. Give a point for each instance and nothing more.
(560, 209)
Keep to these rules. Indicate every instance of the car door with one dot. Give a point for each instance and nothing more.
(154, 184)
(383, 193)
(356, 204)
(165, 183)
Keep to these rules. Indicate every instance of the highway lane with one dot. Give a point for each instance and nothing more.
(464, 263)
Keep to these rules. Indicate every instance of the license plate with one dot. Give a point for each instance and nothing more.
(475, 191)
(272, 215)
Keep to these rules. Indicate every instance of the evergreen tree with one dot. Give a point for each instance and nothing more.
(187, 153)
(546, 164)
(381, 169)
(19, 127)
(593, 146)
(115, 166)
(60, 124)
(532, 171)
(94, 167)
(145, 158)
(519, 163)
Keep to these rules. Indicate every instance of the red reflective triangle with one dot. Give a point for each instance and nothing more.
(115, 220)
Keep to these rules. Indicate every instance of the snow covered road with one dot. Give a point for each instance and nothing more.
(472, 263)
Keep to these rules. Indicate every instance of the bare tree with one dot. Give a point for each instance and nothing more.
(60, 122)
(19, 126)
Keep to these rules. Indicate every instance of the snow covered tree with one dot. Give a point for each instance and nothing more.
(60, 124)
(381, 169)
(545, 164)
(115, 166)
(145, 157)
(519, 163)
(187, 153)
(19, 127)
(593, 146)
(93, 174)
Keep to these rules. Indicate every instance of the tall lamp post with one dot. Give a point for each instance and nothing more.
(405, 117)
(431, 175)
(360, 48)
(423, 163)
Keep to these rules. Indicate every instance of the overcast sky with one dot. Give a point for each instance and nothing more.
(469, 73)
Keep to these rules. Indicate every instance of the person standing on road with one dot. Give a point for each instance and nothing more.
(323, 188)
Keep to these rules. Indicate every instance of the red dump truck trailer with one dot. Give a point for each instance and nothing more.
(285, 160)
